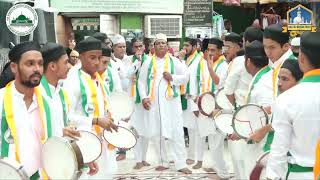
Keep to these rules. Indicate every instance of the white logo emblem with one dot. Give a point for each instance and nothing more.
(21, 19)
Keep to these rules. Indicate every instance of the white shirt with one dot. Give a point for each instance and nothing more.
(29, 131)
(296, 121)
(238, 80)
(222, 72)
(126, 69)
(261, 94)
(56, 109)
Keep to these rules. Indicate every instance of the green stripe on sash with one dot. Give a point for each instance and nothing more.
(4, 127)
(83, 94)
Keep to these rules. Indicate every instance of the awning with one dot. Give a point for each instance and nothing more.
(85, 23)
(238, 2)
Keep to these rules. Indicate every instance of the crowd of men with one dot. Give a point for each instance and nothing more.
(72, 92)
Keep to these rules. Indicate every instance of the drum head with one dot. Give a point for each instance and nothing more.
(59, 159)
(121, 105)
(124, 138)
(10, 169)
(90, 146)
(249, 118)
(222, 100)
(223, 122)
(259, 170)
(206, 103)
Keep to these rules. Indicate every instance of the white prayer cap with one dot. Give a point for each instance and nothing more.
(295, 41)
(117, 39)
(160, 36)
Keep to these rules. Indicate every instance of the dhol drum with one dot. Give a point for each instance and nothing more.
(90, 146)
(206, 103)
(258, 172)
(121, 106)
(222, 100)
(10, 169)
(62, 158)
(124, 138)
(247, 119)
(223, 121)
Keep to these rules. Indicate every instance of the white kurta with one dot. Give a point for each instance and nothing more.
(169, 121)
(106, 162)
(126, 69)
(238, 80)
(29, 131)
(115, 79)
(57, 123)
(296, 121)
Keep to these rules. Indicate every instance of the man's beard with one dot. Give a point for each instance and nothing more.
(29, 83)
(296, 54)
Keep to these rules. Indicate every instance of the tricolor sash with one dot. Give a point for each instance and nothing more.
(64, 98)
(189, 61)
(210, 84)
(152, 73)
(134, 92)
(89, 101)
(8, 120)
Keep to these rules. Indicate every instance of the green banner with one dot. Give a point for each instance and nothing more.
(138, 6)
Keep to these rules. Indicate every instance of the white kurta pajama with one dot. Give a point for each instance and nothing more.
(29, 131)
(107, 161)
(189, 119)
(296, 123)
(237, 83)
(165, 116)
(207, 127)
(137, 119)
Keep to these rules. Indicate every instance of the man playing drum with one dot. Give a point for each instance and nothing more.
(88, 100)
(256, 63)
(22, 108)
(159, 79)
(296, 118)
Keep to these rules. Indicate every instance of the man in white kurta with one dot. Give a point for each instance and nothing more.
(137, 119)
(217, 73)
(296, 118)
(259, 93)
(84, 113)
(25, 109)
(190, 109)
(158, 84)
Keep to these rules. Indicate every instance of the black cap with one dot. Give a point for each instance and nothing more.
(100, 36)
(88, 44)
(233, 37)
(275, 33)
(16, 52)
(253, 33)
(255, 51)
(218, 42)
(293, 67)
(52, 52)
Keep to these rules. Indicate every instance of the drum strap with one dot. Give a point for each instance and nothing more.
(216, 65)
(152, 71)
(8, 119)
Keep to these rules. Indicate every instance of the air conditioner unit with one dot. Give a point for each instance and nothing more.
(171, 25)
